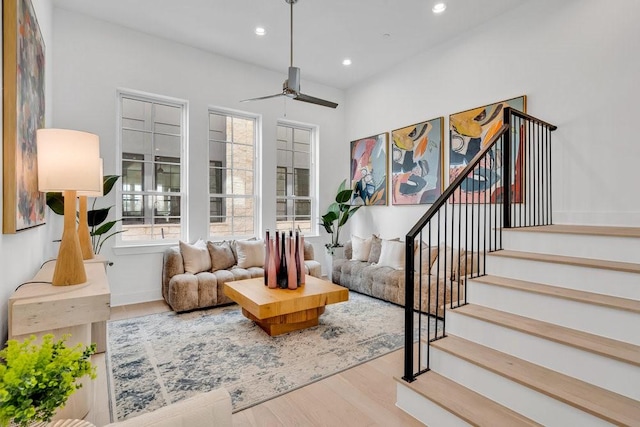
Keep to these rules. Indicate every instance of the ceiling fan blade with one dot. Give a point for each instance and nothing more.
(263, 97)
(313, 100)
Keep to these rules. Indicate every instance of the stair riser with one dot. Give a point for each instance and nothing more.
(601, 281)
(615, 324)
(619, 377)
(623, 249)
(531, 404)
(424, 410)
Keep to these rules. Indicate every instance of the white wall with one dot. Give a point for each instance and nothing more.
(577, 61)
(23, 253)
(94, 58)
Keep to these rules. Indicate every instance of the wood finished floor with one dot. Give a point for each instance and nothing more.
(360, 396)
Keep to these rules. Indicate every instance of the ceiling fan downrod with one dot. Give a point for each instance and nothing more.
(291, 3)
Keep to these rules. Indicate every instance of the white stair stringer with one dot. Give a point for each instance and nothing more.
(424, 410)
(622, 284)
(524, 400)
(594, 319)
(596, 246)
(618, 376)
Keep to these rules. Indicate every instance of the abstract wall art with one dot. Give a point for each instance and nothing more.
(369, 170)
(469, 131)
(23, 113)
(417, 163)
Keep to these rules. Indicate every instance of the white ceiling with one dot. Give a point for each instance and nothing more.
(375, 34)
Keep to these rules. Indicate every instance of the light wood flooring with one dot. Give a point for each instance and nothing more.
(361, 396)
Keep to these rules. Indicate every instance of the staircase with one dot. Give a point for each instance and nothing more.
(550, 336)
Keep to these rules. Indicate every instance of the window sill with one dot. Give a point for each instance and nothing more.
(149, 248)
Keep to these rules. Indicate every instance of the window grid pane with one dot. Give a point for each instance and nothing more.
(152, 138)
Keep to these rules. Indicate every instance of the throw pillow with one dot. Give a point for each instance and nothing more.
(428, 257)
(250, 253)
(445, 256)
(392, 254)
(195, 257)
(376, 247)
(360, 248)
(221, 255)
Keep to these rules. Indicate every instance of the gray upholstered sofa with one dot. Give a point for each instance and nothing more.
(193, 276)
(371, 277)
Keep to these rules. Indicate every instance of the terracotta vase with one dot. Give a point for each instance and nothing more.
(272, 281)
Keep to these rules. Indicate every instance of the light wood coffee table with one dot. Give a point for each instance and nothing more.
(278, 311)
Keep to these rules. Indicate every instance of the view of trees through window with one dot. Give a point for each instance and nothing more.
(232, 197)
(294, 198)
(152, 138)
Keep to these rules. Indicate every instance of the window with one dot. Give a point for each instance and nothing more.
(152, 138)
(232, 174)
(294, 191)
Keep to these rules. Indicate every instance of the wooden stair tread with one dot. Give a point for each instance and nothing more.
(614, 349)
(627, 267)
(464, 403)
(597, 401)
(590, 230)
(566, 293)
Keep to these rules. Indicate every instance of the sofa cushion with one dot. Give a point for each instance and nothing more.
(376, 247)
(360, 248)
(250, 253)
(448, 259)
(392, 254)
(195, 257)
(221, 255)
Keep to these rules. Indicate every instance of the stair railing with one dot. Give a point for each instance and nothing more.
(507, 184)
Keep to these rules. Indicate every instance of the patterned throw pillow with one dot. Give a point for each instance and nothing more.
(221, 255)
(195, 257)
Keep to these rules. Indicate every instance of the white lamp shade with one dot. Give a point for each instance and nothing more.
(68, 160)
(100, 193)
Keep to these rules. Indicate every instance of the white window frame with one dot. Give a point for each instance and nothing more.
(184, 164)
(257, 182)
(314, 137)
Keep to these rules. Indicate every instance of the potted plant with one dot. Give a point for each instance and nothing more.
(95, 217)
(37, 379)
(337, 215)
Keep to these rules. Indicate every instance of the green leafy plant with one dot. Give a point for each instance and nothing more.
(36, 380)
(99, 228)
(337, 215)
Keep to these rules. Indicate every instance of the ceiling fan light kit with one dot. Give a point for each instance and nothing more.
(291, 86)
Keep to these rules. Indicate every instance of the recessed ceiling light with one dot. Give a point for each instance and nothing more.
(261, 31)
(346, 61)
(439, 8)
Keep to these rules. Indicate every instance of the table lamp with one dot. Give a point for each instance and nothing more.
(67, 162)
(84, 235)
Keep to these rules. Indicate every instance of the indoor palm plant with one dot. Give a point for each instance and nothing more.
(37, 379)
(337, 215)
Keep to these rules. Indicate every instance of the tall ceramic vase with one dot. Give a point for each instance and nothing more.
(272, 281)
(267, 254)
(301, 260)
(293, 273)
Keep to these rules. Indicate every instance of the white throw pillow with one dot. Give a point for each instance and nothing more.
(392, 254)
(250, 253)
(195, 257)
(360, 248)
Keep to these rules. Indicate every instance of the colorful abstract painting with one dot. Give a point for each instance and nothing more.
(369, 170)
(23, 46)
(469, 131)
(416, 163)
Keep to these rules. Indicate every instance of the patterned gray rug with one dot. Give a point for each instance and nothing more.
(162, 358)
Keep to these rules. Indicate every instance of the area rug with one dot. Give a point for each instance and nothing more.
(163, 358)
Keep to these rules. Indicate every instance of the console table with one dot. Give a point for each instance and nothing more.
(82, 310)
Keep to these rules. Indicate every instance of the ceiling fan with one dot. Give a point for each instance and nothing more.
(291, 86)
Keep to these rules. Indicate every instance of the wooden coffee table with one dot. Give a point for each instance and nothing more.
(278, 311)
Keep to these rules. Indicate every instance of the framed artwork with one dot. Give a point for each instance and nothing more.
(369, 170)
(417, 163)
(23, 113)
(468, 132)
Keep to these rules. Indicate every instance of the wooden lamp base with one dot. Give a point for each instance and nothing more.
(83, 230)
(69, 266)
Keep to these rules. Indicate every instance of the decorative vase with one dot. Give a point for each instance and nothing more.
(292, 279)
(267, 253)
(271, 266)
(303, 275)
(298, 260)
(282, 271)
(277, 254)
